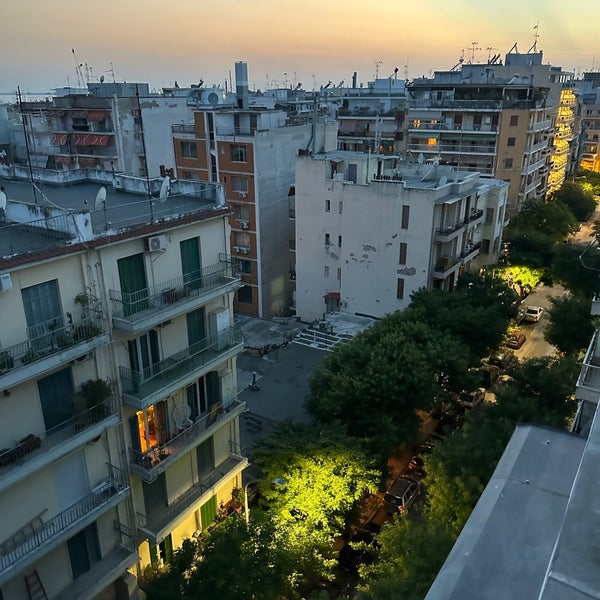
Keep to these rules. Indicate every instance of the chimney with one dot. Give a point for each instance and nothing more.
(354, 80)
(241, 83)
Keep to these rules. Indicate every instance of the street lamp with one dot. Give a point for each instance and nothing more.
(278, 482)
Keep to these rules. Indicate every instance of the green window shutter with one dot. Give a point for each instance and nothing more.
(132, 278)
(153, 555)
(208, 512)
(196, 330)
(191, 266)
(168, 546)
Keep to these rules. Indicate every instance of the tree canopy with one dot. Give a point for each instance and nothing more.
(579, 200)
(569, 325)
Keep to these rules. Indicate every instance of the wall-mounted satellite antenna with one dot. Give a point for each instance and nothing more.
(100, 204)
(165, 189)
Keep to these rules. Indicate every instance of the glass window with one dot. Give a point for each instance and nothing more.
(400, 289)
(239, 184)
(244, 295)
(238, 153)
(188, 149)
(245, 267)
(405, 216)
(327, 239)
(510, 141)
(402, 257)
(514, 120)
(326, 271)
(327, 205)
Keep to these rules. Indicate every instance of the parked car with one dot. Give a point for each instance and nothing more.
(533, 313)
(515, 340)
(402, 494)
(502, 358)
(472, 399)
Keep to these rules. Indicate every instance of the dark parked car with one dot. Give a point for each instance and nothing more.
(502, 359)
(401, 494)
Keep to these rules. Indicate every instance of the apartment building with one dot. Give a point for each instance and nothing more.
(512, 121)
(120, 434)
(252, 152)
(371, 230)
(589, 94)
(113, 128)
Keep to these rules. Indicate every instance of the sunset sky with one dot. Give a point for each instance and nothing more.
(186, 40)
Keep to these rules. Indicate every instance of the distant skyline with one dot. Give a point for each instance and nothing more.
(309, 42)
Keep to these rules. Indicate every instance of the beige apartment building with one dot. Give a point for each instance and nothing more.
(119, 433)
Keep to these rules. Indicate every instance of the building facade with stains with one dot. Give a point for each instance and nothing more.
(371, 230)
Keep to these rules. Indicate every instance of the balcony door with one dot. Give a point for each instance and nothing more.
(191, 264)
(196, 329)
(155, 495)
(132, 278)
(84, 550)
(56, 393)
(43, 313)
(144, 354)
(70, 476)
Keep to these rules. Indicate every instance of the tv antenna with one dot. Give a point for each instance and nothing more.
(474, 48)
(536, 37)
(489, 49)
(78, 71)
(378, 63)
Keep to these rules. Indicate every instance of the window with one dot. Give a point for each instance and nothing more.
(327, 239)
(400, 289)
(327, 205)
(241, 212)
(241, 239)
(340, 207)
(42, 312)
(405, 216)
(245, 267)
(84, 550)
(244, 295)
(238, 153)
(188, 149)
(402, 257)
(352, 172)
(514, 120)
(239, 184)
(510, 141)
(132, 278)
(326, 271)
(339, 241)
(339, 273)
(485, 246)
(508, 163)
(54, 390)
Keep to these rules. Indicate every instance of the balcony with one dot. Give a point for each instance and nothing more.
(184, 128)
(534, 167)
(540, 126)
(150, 464)
(475, 217)
(139, 311)
(102, 574)
(39, 538)
(157, 525)
(445, 234)
(50, 344)
(35, 451)
(470, 251)
(588, 382)
(445, 265)
(143, 388)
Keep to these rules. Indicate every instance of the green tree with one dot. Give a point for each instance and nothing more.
(579, 201)
(569, 325)
(374, 383)
(408, 558)
(326, 473)
(521, 278)
(576, 269)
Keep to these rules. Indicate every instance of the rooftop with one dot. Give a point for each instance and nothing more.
(64, 216)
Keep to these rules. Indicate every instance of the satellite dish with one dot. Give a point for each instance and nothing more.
(165, 188)
(100, 199)
(101, 78)
(213, 98)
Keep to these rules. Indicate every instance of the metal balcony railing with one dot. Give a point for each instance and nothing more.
(29, 539)
(473, 216)
(142, 383)
(54, 335)
(27, 448)
(183, 128)
(179, 289)
(150, 459)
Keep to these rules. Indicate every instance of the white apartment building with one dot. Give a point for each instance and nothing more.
(119, 429)
(370, 231)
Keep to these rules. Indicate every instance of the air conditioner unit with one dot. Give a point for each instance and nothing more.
(157, 243)
(244, 249)
(5, 282)
(243, 194)
(237, 248)
(244, 224)
(343, 304)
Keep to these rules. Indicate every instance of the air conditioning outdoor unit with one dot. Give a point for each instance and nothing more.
(243, 194)
(244, 224)
(157, 243)
(5, 282)
(343, 304)
(244, 249)
(237, 248)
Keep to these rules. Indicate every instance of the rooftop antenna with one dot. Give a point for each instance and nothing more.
(26, 135)
(137, 94)
(111, 71)
(314, 83)
(536, 37)
(377, 65)
(78, 71)
(406, 69)
(474, 48)
(489, 49)
(461, 60)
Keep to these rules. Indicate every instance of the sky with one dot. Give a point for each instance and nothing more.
(304, 41)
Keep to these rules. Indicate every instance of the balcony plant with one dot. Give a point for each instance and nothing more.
(91, 401)
(6, 362)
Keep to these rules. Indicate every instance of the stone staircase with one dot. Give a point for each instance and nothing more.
(319, 339)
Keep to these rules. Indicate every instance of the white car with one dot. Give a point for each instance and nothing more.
(533, 313)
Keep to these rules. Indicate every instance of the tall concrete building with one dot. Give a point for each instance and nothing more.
(371, 230)
(589, 94)
(252, 152)
(120, 434)
(512, 121)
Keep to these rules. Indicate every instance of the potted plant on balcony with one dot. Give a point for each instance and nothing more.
(6, 362)
(91, 401)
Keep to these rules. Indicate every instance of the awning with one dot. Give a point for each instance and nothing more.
(86, 161)
(332, 296)
(96, 115)
(65, 160)
(91, 139)
(58, 139)
(79, 114)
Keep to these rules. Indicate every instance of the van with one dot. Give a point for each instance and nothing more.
(401, 494)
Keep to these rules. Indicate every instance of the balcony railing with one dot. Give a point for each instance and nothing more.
(141, 384)
(154, 461)
(445, 264)
(34, 446)
(158, 521)
(33, 537)
(135, 305)
(450, 229)
(474, 215)
(183, 128)
(52, 336)
(470, 251)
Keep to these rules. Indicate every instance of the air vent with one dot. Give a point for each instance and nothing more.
(5, 282)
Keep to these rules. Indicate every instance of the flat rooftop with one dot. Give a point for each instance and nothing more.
(123, 210)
